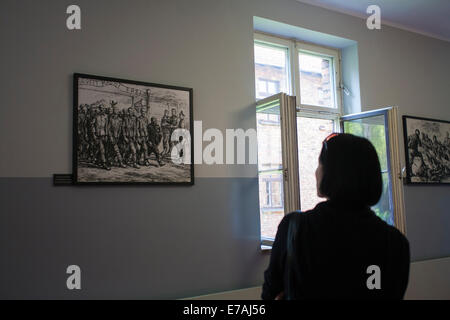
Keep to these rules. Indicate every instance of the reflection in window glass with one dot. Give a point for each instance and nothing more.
(316, 80)
(276, 192)
(274, 117)
(262, 86)
(271, 70)
(272, 87)
(270, 203)
(270, 171)
(311, 133)
(269, 143)
(382, 208)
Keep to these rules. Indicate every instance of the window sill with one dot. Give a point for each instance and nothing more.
(266, 248)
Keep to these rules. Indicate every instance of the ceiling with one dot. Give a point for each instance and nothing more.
(427, 17)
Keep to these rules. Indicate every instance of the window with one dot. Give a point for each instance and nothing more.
(316, 80)
(272, 72)
(271, 185)
(291, 129)
(311, 72)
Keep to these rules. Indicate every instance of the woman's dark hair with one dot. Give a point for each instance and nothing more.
(351, 171)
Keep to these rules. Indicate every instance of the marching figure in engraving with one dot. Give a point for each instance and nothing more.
(165, 126)
(129, 137)
(173, 122)
(181, 123)
(414, 143)
(122, 144)
(82, 133)
(115, 132)
(100, 127)
(142, 137)
(154, 138)
(90, 133)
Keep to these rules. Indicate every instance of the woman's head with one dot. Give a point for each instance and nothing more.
(349, 171)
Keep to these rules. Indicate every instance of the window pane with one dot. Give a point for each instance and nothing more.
(277, 201)
(271, 195)
(263, 193)
(311, 133)
(269, 143)
(271, 70)
(316, 81)
(373, 128)
(271, 205)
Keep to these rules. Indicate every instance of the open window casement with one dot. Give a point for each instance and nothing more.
(381, 128)
(277, 156)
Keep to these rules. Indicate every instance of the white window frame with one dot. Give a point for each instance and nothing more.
(294, 47)
(276, 42)
(335, 56)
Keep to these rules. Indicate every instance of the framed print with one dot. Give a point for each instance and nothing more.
(427, 150)
(131, 132)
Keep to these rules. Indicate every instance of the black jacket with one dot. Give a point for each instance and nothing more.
(332, 247)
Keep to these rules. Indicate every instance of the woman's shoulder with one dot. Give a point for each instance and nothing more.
(392, 231)
(303, 215)
(397, 236)
(288, 219)
(319, 208)
(396, 239)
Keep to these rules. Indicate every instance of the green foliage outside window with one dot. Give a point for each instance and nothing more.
(374, 130)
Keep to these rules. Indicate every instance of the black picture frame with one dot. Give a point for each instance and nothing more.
(93, 91)
(426, 159)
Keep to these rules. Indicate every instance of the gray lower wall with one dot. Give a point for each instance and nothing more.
(130, 242)
(428, 221)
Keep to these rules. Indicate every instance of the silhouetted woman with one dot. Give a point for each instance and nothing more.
(340, 249)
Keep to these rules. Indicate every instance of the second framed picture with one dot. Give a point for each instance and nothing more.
(124, 132)
(427, 150)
